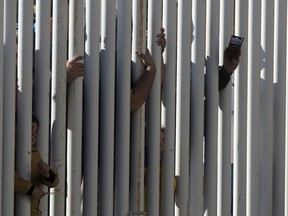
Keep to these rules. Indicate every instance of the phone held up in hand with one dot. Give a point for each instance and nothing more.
(236, 41)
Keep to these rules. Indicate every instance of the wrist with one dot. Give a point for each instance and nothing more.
(227, 70)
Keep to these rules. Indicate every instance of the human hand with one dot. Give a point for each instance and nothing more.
(147, 60)
(43, 169)
(37, 193)
(161, 40)
(231, 58)
(74, 68)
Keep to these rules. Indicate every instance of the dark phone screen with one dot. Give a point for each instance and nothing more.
(236, 40)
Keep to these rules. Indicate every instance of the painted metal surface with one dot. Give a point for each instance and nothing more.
(58, 105)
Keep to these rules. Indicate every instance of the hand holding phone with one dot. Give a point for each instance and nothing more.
(233, 51)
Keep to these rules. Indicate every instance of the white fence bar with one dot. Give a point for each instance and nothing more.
(107, 106)
(286, 140)
(240, 113)
(91, 106)
(183, 107)
(168, 110)
(280, 28)
(1, 100)
(266, 122)
(9, 62)
(196, 187)
(24, 100)
(153, 114)
(58, 104)
(137, 119)
(224, 118)
(253, 99)
(123, 86)
(42, 83)
(211, 112)
(74, 109)
(42, 74)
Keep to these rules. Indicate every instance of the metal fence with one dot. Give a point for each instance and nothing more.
(228, 158)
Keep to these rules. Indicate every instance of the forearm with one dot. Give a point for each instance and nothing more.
(141, 89)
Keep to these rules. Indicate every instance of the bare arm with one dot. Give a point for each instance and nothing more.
(141, 89)
(74, 69)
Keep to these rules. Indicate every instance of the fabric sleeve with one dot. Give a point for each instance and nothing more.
(224, 78)
(21, 185)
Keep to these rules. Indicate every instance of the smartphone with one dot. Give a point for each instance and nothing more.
(236, 40)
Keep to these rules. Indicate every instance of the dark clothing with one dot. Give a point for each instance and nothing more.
(224, 78)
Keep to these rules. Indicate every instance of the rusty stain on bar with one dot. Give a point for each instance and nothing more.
(141, 33)
(139, 157)
(75, 22)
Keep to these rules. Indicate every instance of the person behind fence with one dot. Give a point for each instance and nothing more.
(232, 55)
(231, 58)
(41, 174)
(141, 89)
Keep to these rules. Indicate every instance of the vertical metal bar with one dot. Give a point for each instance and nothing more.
(196, 187)
(280, 32)
(266, 132)
(183, 106)
(211, 109)
(1, 101)
(9, 64)
(91, 104)
(240, 113)
(42, 82)
(153, 113)
(58, 104)
(168, 110)
(137, 119)
(123, 86)
(107, 103)
(24, 100)
(74, 121)
(42, 73)
(253, 134)
(224, 118)
(286, 140)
